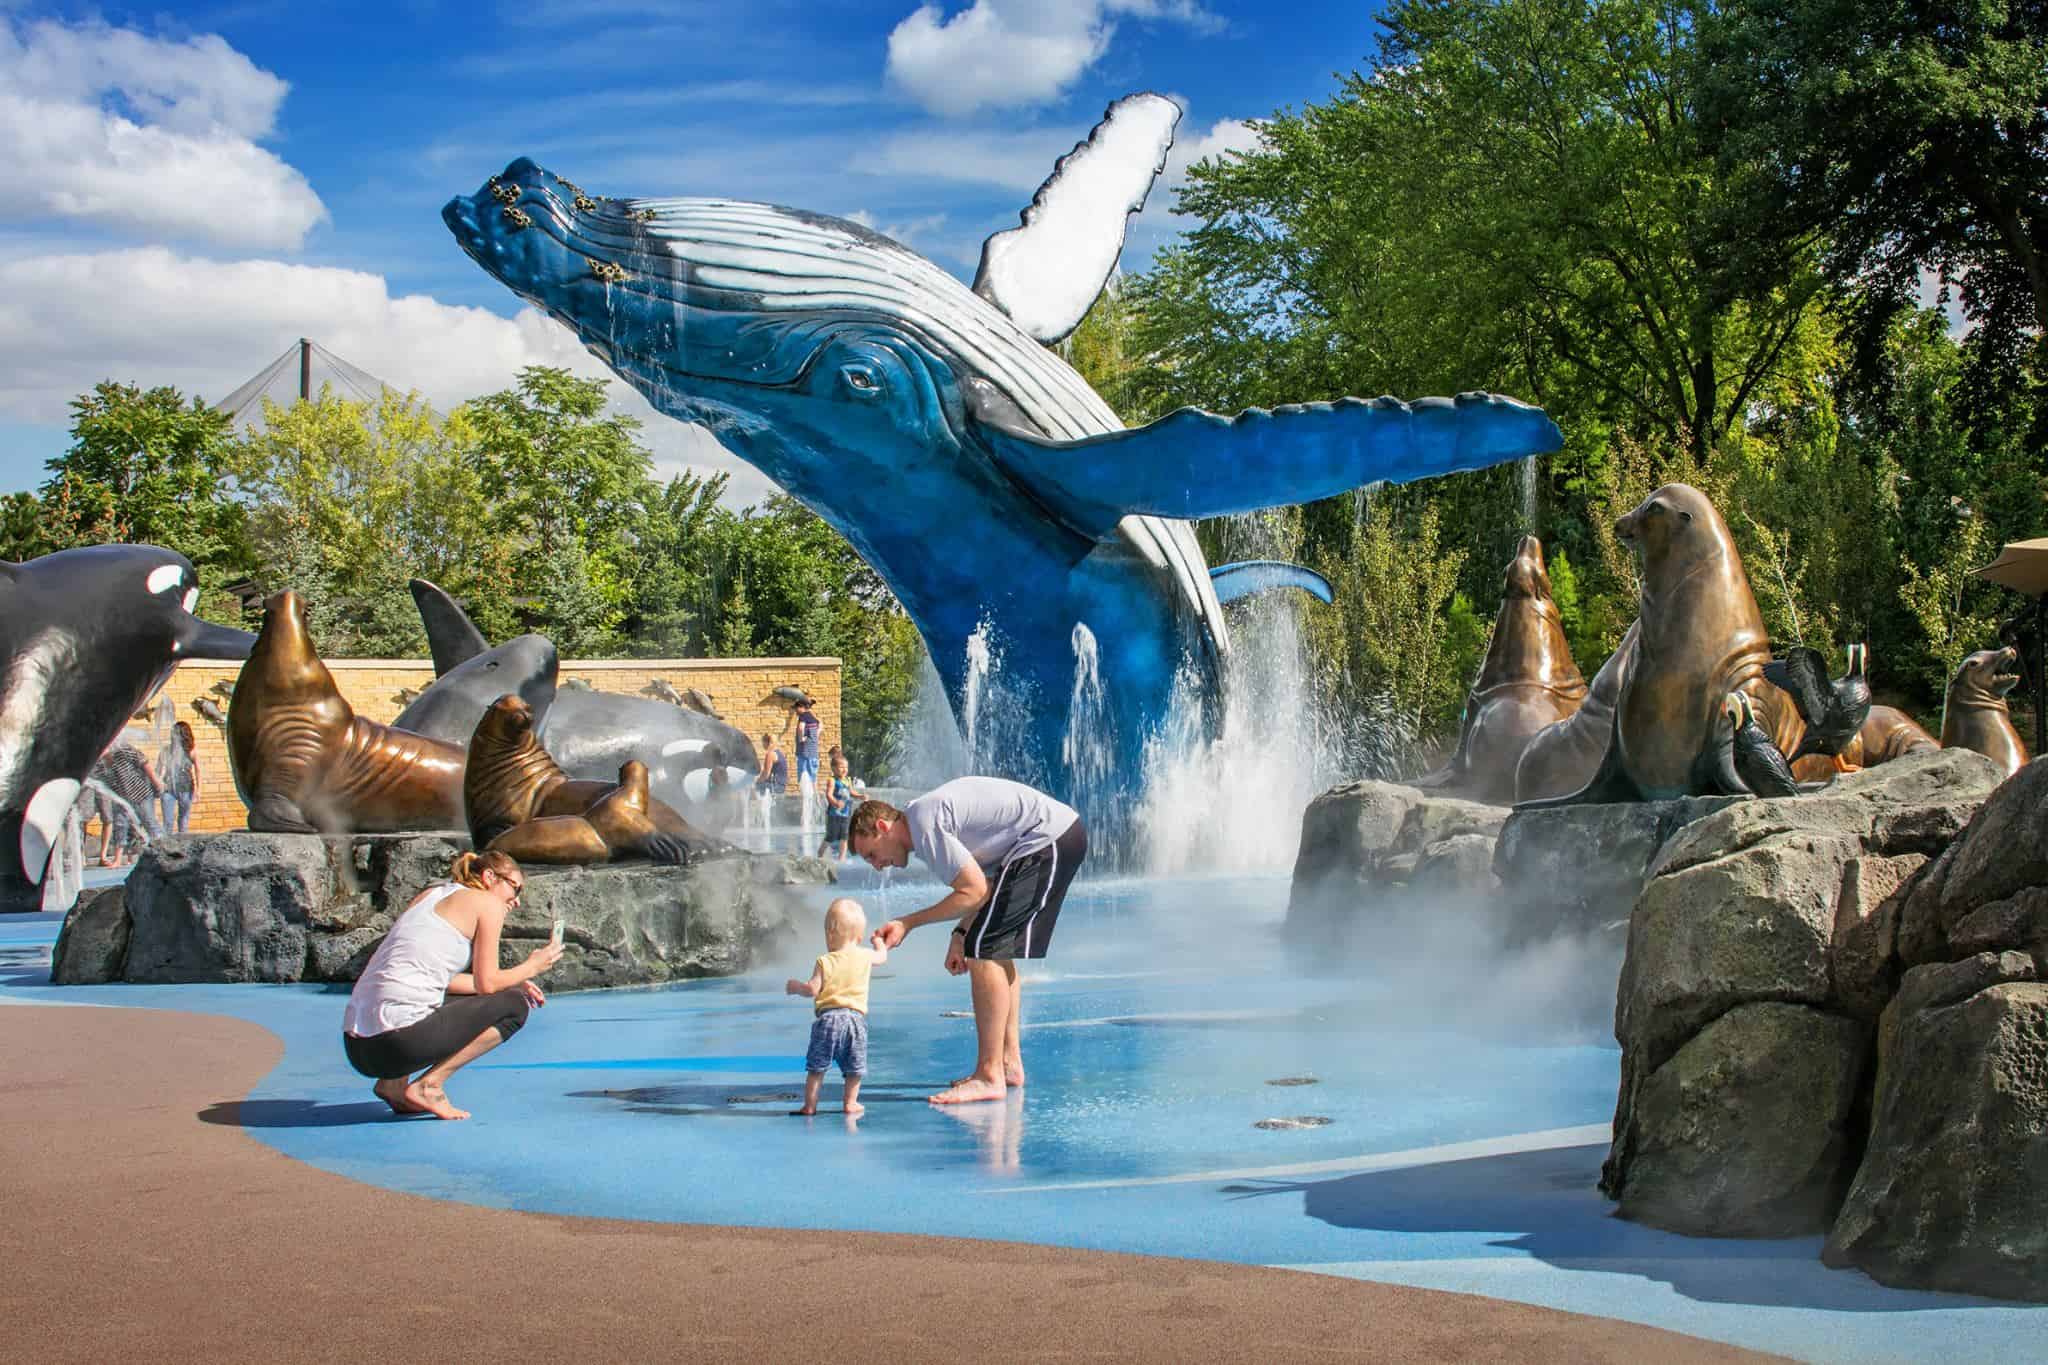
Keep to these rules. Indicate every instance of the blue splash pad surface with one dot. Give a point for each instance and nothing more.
(1467, 1094)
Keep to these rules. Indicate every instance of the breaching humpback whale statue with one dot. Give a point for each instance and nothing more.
(932, 425)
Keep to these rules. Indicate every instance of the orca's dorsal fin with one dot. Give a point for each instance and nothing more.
(1248, 577)
(1046, 273)
(451, 635)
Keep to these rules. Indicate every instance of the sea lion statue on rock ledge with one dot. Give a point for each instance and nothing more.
(306, 763)
(518, 800)
(1976, 715)
(1699, 638)
(1529, 681)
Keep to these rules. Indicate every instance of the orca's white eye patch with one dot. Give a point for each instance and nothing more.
(191, 598)
(164, 577)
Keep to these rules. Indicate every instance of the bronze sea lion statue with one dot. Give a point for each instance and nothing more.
(519, 800)
(1699, 637)
(1976, 715)
(305, 762)
(1529, 681)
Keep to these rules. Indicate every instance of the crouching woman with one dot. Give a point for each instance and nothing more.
(433, 998)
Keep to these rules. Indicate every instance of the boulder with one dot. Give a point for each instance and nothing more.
(229, 907)
(292, 907)
(1709, 1151)
(1951, 1189)
(92, 945)
(2000, 855)
(1389, 848)
(1578, 869)
(1865, 947)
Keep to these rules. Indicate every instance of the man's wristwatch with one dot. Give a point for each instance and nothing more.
(960, 931)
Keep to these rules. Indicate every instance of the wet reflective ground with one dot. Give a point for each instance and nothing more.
(1432, 1111)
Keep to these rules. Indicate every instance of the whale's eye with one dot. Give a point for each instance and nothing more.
(861, 380)
(164, 578)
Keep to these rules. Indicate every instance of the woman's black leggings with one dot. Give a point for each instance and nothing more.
(439, 1036)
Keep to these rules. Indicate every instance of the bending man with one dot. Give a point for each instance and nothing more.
(1009, 852)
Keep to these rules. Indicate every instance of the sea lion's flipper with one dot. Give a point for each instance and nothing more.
(553, 839)
(1191, 464)
(451, 635)
(1611, 784)
(1249, 576)
(1046, 273)
(1803, 676)
(271, 813)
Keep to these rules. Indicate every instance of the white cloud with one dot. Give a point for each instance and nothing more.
(1004, 54)
(152, 316)
(141, 134)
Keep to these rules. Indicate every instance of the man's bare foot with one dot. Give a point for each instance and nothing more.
(432, 1099)
(969, 1091)
(854, 1111)
(1013, 1075)
(802, 1113)
(392, 1092)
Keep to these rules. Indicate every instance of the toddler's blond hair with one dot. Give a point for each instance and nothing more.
(845, 923)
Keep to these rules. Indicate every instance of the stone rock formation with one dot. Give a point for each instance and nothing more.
(300, 907)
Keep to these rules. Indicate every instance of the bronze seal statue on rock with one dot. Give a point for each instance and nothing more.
(1529, 681)
(1699, 637)
(518, 800)
(1976, 715)
(306, 763)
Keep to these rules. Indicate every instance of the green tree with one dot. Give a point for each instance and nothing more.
(1912, 134)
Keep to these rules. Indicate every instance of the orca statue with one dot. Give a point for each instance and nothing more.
(86, 637)
(932, 425)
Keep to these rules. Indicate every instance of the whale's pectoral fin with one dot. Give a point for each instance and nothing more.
(1192, 464)
(1249, 577)
(1047, 273)
(451, 635)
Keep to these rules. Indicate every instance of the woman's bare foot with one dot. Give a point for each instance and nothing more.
(1013, 1077)
(969, 1091)
(802, 1113)
(432, 1099)
(855, 1110)
(392, 1092)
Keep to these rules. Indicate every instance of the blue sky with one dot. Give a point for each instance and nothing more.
(194, 188)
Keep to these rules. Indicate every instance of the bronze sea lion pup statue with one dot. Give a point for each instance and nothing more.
(305, 762)
(519, 800)
(1976, 715)
(1529, 681)
(1699, 637)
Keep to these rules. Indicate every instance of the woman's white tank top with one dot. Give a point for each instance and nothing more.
(408, 975)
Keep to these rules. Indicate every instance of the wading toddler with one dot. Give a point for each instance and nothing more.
(839, 988)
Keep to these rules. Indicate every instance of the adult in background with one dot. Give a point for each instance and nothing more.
(123, 771)
(433, 998)
(808, 727)
(773, 778)
(177, 767)
(1008, 852)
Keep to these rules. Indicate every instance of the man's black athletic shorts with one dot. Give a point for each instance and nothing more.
(1025, 901)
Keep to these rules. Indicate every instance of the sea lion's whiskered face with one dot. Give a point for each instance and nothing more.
(1660, 524)
(508, 717)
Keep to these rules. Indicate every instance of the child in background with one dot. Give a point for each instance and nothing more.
(839, 986)
(841, 796)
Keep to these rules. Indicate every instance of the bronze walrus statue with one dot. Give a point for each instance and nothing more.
(305, 762)
(518, 800)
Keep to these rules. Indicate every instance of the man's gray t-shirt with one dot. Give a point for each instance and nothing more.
(983, 820)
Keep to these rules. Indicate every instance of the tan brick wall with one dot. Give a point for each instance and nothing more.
(740, 688)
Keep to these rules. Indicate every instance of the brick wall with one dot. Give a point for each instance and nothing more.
(740, 688)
